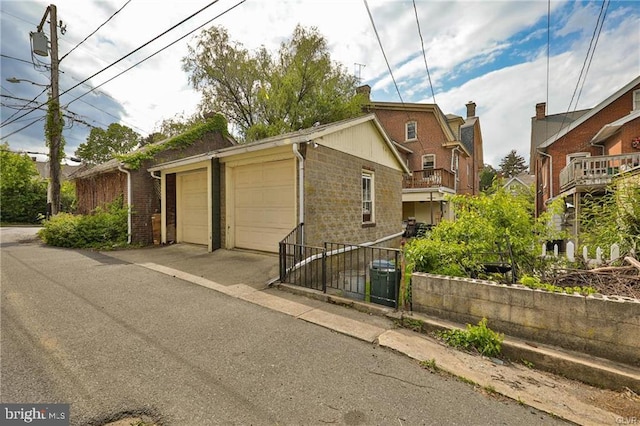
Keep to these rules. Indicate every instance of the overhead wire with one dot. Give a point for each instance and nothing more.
(158, 51)
(133, 51)
(590, 52)
(375, 30)
(15, 113)
(424, 55)
(95, 31)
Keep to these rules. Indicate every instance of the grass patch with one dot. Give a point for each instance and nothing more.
(476, 337)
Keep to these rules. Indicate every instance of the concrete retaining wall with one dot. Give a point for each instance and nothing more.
(607, 327)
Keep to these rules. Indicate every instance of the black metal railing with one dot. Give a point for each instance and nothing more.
(361, 272)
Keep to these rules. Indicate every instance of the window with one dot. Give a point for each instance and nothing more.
(575, 155)
(367, 196)
(636, 100)
(411, 130)
(428, 161)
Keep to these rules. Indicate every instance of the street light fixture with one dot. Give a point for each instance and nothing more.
(20, 80)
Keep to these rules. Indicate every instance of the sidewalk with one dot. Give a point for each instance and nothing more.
(567, 399)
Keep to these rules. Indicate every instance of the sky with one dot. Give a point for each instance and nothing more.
(493, 53)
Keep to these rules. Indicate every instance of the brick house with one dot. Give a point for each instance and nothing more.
(443, 152)
(342, 180)
(584, 151)
(103, 183)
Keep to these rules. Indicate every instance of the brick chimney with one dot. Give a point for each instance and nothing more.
(365, 90)
(471, 109)
(541, 111)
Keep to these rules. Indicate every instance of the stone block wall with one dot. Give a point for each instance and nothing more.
(333, 201)
(607, 327)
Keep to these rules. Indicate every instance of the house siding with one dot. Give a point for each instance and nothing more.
(333, 213)
(579, 140)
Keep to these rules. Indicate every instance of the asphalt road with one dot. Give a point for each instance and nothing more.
(110, 337)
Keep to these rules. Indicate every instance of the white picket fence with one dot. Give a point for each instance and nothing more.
(614, 253)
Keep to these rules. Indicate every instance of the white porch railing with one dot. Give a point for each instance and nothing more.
(597, 170)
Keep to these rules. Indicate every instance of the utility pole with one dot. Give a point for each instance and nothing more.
(55, 129)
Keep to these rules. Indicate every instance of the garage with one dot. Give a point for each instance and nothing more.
(192, 207)
(264, 200)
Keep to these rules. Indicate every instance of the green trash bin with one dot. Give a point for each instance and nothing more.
(385, 280)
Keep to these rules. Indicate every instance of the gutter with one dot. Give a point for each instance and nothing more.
(128, 173)
(300, 188)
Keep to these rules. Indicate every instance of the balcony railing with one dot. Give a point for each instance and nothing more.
(596, 170)
(430, 178)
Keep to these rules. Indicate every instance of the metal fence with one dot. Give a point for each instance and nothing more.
(360, 272)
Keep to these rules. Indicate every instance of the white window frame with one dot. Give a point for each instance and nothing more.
(424, 157)
(415, 131)
(636, 100)
(368, 197)
(575, 155)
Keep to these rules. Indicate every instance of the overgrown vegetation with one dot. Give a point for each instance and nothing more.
(475, 337)
(536, 283)
(484, 225)
(104, 229)
(23, 194)
(612, 217)
(135, 159)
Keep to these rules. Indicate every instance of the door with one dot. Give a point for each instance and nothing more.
(193, 213)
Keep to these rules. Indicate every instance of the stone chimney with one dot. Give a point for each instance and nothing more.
(541, 111)
(471, 109)
(365, 90)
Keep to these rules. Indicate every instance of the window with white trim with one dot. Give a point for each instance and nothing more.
(411, 130)
(575, 155)
(367, 197)
(428, 161)
(636, 100)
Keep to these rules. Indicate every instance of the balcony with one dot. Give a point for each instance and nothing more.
(429, 178)
(596, 171)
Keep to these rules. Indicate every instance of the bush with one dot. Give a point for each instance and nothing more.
(104, 229)
(478, 337)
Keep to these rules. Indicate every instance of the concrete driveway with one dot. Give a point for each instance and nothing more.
(226, 267)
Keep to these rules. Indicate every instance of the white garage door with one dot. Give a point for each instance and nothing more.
(193, 218)
(265, 202)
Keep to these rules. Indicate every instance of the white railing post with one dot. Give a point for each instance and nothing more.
(615, 251)
(585, 254)
(571, 248)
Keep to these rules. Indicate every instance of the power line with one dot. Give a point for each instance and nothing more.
(158, 51)
(130, 53)
(96, 30)
(595, 44)
(16, 59)
(4, 123)
(22, 128)
(375, 30)
(602, 15)
(424, 55)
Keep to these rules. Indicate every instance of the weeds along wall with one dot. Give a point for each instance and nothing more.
(603, 326)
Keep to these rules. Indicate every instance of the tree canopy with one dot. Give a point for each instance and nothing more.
(265, 95)
(102, 145)
(512, 165)
(23, 195)
(487, 175)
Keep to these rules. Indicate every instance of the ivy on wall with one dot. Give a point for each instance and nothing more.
(134, 160)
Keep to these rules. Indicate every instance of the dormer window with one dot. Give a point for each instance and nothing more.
(411, 130)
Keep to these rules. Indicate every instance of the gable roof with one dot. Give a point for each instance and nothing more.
(589, 113)
(300, 136)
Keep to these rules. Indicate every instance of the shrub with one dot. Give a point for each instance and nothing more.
(477, 337)
(104, 229)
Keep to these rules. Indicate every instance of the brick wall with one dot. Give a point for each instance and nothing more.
(333, 203)
(606, 327)
(578, 139)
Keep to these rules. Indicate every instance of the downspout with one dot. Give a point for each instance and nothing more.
(455, 180)
(300, 188)
(128, 173)
(550, 172)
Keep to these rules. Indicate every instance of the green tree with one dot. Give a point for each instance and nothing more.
(512, 165)
(265, 95)
(23, 194)
(487, 175)
(102, 145)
